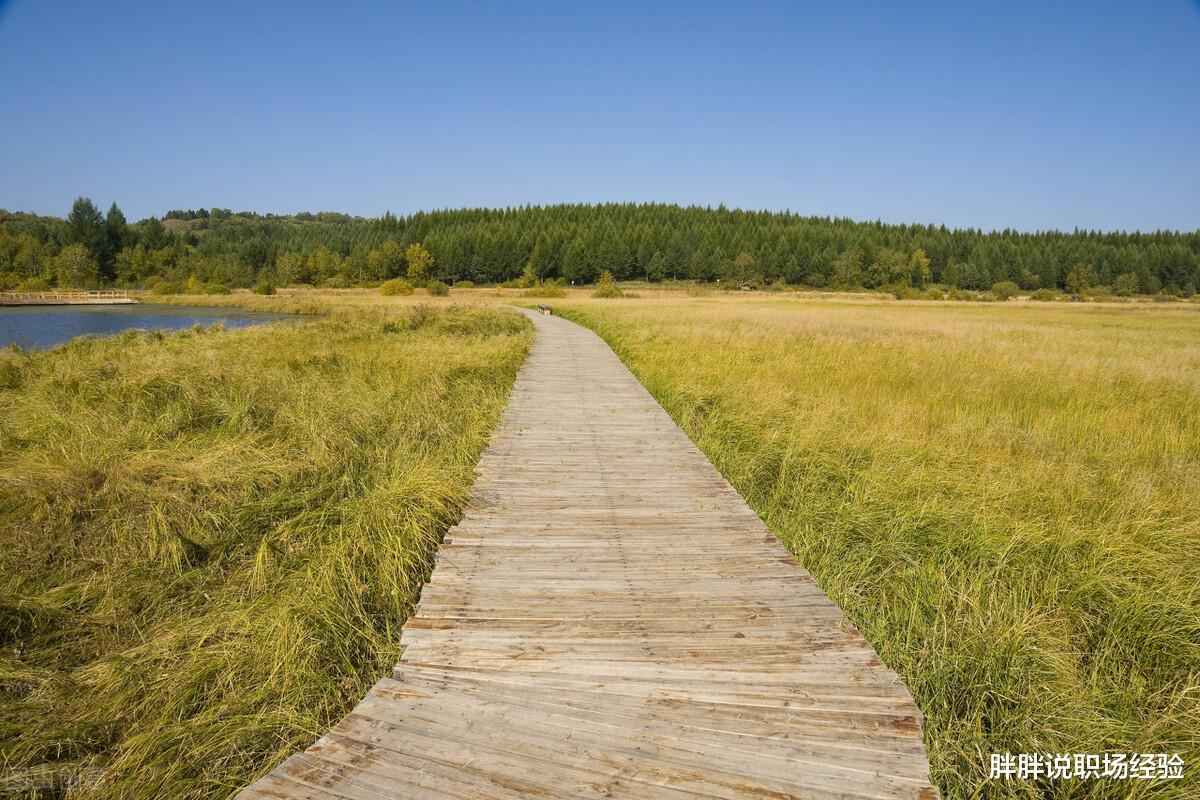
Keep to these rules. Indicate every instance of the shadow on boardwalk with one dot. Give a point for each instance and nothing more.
(610, 619)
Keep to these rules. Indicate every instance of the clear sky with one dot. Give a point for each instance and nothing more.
(1024, 114)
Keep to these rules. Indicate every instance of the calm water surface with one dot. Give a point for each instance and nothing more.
(40, 327)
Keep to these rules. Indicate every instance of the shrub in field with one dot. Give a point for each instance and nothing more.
(1045, 295)
(1005, 290)
(437, 288)
(464, 285)
(607, 287)
(933, 293)
(264, 288)
(548, 289)
(210, 539)
(555, 287)
(158, 285)
(395, 287)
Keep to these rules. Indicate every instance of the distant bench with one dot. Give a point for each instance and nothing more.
(545, 309)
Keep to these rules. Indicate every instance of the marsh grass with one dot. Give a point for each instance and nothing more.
(1004, 498)
(210, 539)
(545, 290)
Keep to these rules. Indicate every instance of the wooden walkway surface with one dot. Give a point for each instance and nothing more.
(610, 619)
(109, 297)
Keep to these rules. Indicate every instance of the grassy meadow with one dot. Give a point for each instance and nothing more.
(210, 539)
(1004, 498)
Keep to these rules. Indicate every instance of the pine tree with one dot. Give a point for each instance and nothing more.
(153, 234)
(116, 237)
(577, 241)
(656, 269)
(85, 226)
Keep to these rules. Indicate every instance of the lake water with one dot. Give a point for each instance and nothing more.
(40, 327)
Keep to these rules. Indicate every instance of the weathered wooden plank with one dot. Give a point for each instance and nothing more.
(610, 619)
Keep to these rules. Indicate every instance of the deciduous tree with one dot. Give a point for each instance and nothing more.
(920, 273)
(1082, 277)
(847, 269)
(420, 263)
(742, 271)
(75, 268)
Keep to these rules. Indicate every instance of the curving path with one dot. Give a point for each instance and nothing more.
(610, 619)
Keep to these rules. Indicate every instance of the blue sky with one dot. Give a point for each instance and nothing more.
(1029, 115)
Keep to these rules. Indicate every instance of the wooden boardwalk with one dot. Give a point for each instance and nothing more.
(610, 619)
(109, 297)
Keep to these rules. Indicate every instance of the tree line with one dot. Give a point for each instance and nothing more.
(218, 248)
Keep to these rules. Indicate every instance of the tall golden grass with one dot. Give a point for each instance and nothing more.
(1005, 499)
(209, 540)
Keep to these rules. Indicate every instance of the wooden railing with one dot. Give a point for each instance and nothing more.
(107, 294)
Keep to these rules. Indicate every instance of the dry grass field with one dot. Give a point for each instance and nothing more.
(1005, 498)
(210, 539)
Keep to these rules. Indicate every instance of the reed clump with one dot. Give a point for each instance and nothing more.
(1004, 498)
(209, 540)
